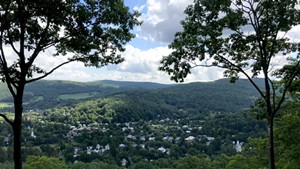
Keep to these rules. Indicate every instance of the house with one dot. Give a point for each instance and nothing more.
(32, 134)
(162, 149)
(124, 162)
(168, 138)
(89, 149)
(143, 138)
(238, 146)
(5, 141)
(76, 150)
(122, 145)
(131, 137)
(151, 138)
(190, 139)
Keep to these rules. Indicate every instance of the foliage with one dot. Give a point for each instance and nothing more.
(214, 31)
(93, 32)
(93, 165)
(243, 38)
(240, 161)
(43, 162)
(144, 165)
(193, 162)
(54, 93)
(6, 165)
(287, 134)
(172, 101)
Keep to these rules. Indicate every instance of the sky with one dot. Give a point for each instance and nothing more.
(161, 20)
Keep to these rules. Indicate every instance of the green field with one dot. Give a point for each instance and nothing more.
(76, 96)
(5, 105)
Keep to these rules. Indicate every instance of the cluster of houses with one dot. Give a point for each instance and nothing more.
(134, 136)
(91, 149)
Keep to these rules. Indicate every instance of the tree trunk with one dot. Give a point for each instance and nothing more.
(17, 129)
(271, 143)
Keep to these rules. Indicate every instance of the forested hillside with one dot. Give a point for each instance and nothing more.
(144, 125)
(47, 94)
(141, 100)
(174, 101)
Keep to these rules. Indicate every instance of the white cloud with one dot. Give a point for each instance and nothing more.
(161, 19)
(139, 66)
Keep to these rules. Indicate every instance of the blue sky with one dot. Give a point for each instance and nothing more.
(161, 20)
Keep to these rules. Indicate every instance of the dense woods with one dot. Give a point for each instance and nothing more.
(252, 123)
(141, 128)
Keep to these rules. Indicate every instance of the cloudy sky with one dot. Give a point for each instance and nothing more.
(161, 19)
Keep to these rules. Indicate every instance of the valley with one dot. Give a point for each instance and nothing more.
(124, 125)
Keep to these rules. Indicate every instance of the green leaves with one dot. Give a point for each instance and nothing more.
(93, 31)
(235, 35)
(43, 162)
(243, 37)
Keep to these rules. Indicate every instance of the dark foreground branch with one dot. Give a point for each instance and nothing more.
(6, 119)
(51, 71)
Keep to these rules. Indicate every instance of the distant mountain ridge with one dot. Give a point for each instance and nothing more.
(219, 95)
(47, 93)
(186, 100)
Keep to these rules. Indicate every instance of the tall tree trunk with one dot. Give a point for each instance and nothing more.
(271, 142)
(17, 127)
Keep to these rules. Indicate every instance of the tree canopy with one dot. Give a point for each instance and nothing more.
(34, 162)
(90, 31)
(245, 38)
(241, 36)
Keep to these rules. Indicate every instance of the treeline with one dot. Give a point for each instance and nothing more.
(194, 97)
(55, 93)
(220, 153)
(226, 128)
(177, 101)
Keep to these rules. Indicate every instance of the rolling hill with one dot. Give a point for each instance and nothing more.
(52, 93)
(140, 99)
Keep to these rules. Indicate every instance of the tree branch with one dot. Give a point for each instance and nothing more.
(6, 119)
(51, 71)
(287, 88)
(274, 93)
(4, 68)
(246, 74)
(11, 43)
(22, 32)
(38, 46)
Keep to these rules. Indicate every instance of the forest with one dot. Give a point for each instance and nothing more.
(252, 122)
(142, 127)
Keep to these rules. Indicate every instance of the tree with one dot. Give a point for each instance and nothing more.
(43, 162)
(192, 162)
(92, 165)
(93, 32)
(287, 125)
(287, 134)
(243, 37)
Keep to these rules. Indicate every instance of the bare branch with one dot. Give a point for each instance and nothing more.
(8, 79)
(51, 71)
(6, 119)
(22, 33)
(287, 87)
(11, 43)
(38, 45)
(246, 74)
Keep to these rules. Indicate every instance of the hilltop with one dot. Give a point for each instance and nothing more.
(141, 100)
